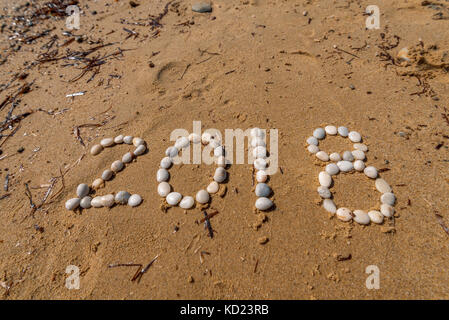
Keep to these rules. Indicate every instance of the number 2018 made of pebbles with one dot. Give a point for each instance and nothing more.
(349, 161)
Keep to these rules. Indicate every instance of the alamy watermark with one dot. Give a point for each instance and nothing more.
(73, 19)
(373, 20)
(73, 280)
(373, 280)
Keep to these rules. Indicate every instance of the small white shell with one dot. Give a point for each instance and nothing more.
(319, 133)
(98, 183)
(108, 200)
(260, 164)
(361, 217)
(72, 204)
(107, 142)
(166, 163)
(324, 192)
(122, 197)
(312, 140)
(325, 179)
(388, 198)
(163, 189)
(344, 214)
(138, 141)
(117, 166)
(332, 169)
(354, 136)
(140, 150)
(345, 166)
(182, 143)
(97, 202)
(220, 175)
(205, 137)
(127, 157)
(96, 149)
(329, 206)
(386, 210)
(256, 142)
(213, 187)
(382, 186)
(128, 139)
(261, 176)
(359, 165)
(263, 203)
(260, 152)
(361, 147)
(370, 172)
(162, 175)
(347, 156)
(358, 154)
(187, 202)
(343, 131)
(107, 175)
(322, 155)
(82, 190)
(313, 149)
(134, 200)
(331, 130)
(376, 216)
(202, 196)
(118, 139)
(85, 202)
(194, 138)
(171, 152)
(335, 156)
(173, 198)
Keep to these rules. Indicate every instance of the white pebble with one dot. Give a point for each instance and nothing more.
(118, 139)
(359, 165)
(370, 172)
(107, 200)
(344, 214)
(82, 190)
(117, 166)
(85, 202)
(354, 136)
(134, 200)
(182, 143)
(187, 202)
(262, 190)
(386, 210)
(361, 147)
(171, 152)
(260, 164)
(324, 192)
(128, 139)
(166, 163)
(205, 137)
(322, 155)
(173, 198)
(97, 202)
(138, 141)
(122, 197)
(332, 169)
(219, 151)
(331, 130)
(107, 175)
(347, 156)
(261, 176)
(96, 149)
(382, 186)
(163, 189)
(140, 150)
(388, 198)
(98, 183)
(358, 154)
(325, 179)
(319, 133)
(72, 204)
(335, 156)
(329, 206)
(313, 149)
(107, 142)
(214, 143)
(220, 175)
(260, 152)
(194, 138)
(312, 140)
(127, 157)
(375, 216)
(213, 187)
(162, 175)
(259, 142)
(345, 166)
(202, 196)
(263, 203)
(343, 131)
(361, 217)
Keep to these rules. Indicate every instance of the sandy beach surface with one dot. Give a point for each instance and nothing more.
(149, 67)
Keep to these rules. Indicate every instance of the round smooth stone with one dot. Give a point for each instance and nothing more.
(335, 157)
(166, 163)
(107, 175)
(263, 190)
(97, 202)
(162, 175)
(122, 197)
(324, 192)
(358, 154)
(171, 152)
(173, 198)
(263, 203)
(345, 166)
(140, 150)
(108, 200)
(347, 156)
(202, 196)
(386, 210)
(331, 130)
(375, 216)
(96, 149)
(313, 149)
(344, 214)
(182, 143)
(127, 157)
(72, 204)
(382, 186)
(107, 142)
(370, 172)
(261, 176)
(259, 142)
(354, 136)
(128, 139)
(361, 147)
(187, 202)
(359, 165)
(325, 179)
(312, 140)
(343, 131)
(329, 206)
(118, 139)
(163, 189)
(260, 152)
(205, 137)
(134, 200)
(85, 202)
(138, 141)
(219, 151)
(332, 169)
(117, 166)
(319, 133)
(98, 183)
(257, 133)
(194, 138)
(260, 164)
(82, 190)
(213, 187)
(220, 175)
(361, 217)
(388, 198)
(322, 155)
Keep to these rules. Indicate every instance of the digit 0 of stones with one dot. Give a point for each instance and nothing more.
(347, 162)
(83, 191)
